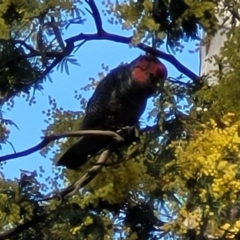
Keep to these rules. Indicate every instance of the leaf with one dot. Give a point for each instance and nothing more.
(9, 122)
(48, 77)
(74, 62)
(66, 67)
(62, 65)
(59, 65)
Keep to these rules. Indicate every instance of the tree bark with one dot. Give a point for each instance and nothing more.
(213, 47)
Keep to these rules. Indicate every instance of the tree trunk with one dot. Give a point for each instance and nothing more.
(212, 48)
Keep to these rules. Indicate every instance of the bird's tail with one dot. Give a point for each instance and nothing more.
(78, 153)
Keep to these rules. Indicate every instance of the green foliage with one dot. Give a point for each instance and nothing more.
(28, 30)
(16, 71)
(4, 132)
(176, 19)
(223, 97)
(64, 64)
(184, 176)
(17, 203)
(18, 16)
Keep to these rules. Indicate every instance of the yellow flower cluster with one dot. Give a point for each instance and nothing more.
(231, 230)
(128, 12)
(184, 221)
(214, 154)
(4, 30)
(10, 209)
(14, 216)
(113, 184)
(87, 221)
(212, 163)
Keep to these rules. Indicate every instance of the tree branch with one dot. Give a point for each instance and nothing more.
(91, 173)
(46, 140)
(127, 40)
(83, 181)
(27, 46)
(22, 227)
(170, 58)
(203, 228)
(96, 16)
(103, 35)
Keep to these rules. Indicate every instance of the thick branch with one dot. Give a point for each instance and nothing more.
(96, 16)
(127, 40)
(170, 58)
(115, 38)
(50, 138)
(103, 35)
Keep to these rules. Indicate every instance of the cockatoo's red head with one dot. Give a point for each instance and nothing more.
(148, 70)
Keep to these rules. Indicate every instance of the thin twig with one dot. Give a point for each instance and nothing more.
(46, 140)
(27, 46)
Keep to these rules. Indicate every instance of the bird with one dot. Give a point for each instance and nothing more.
(118, 101)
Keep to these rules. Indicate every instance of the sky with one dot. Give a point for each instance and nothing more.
(91, 55)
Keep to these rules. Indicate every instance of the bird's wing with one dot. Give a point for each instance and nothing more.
(97, 112)
(100, 104)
